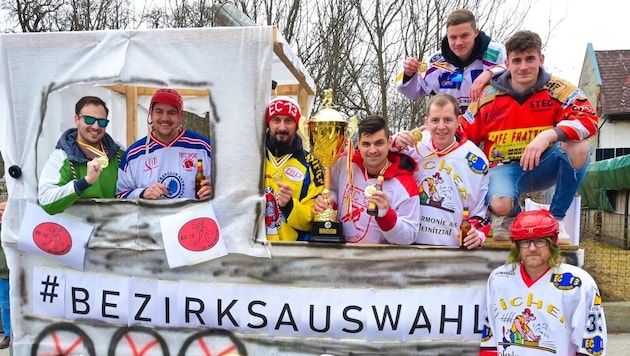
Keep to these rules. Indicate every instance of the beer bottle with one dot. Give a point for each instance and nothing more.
(372, 208)
(464, 227)
(199, 177)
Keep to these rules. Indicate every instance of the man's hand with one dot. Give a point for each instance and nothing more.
(155, 191)
(206, 189)
(93, 171)
(472, 239)
(531, 154)
(410, 66)
(285, 194)
(405, 139)
(381, 200)
(480, 82)
(322, 203)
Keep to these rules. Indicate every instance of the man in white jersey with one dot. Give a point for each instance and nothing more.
(163, 164)
(537, 305)
(467, 61)
(397, 210)
(452, 175)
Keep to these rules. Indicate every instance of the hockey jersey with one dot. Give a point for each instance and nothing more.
(505, 122)
(559, 314)
(400, 224)
(173, 164)
(447, 182)
(448, 74)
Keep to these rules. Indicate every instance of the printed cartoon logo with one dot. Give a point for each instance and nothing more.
(521, 333)
(272, 212)
(174, 184)
(433, 192)
(200, 234)
(52, 238)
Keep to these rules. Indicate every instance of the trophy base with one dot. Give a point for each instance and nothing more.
(327, 231)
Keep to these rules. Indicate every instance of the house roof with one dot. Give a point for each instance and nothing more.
(614, 69)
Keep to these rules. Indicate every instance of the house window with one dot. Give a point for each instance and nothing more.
(606, 153)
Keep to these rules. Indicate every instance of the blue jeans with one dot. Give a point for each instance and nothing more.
(510, 180)
(5, 309)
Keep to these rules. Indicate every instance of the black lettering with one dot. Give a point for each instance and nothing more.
(458, 320)
(263, 318)
(226, 312)
(286, 310)
(147, 298)
(197, 311)
(380, 323)
(105, 304)
(82, 301)
(477, 330)
(347, 317)
(312, 316)
(167, 310)
(427, 324)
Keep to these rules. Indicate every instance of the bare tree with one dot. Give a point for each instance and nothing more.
(355, 47)
(73, 15)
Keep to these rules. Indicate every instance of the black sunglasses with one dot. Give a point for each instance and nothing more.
(90, 120)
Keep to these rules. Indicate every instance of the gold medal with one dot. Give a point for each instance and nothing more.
(369, 190)
(103, 161)
(417, 135)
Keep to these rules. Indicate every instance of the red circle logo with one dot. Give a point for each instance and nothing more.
(52, 238)
(200, 234)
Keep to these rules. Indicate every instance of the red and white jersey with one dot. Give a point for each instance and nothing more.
(399, 225)
(448, 181)
(559, 314)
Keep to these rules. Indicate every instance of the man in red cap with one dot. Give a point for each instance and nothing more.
(293, 177)
(164, 163)
(535, 304)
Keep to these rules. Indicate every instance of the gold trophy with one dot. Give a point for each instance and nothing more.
(327, 132)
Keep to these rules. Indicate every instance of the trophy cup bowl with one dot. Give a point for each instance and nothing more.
(327, 136)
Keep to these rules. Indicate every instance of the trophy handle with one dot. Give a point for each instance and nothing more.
(303, 132)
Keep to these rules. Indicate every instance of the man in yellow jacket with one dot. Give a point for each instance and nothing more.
(293, 177)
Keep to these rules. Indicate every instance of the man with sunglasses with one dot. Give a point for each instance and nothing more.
(163, 164)
(537, 305)
(85, 161)
(468, 60)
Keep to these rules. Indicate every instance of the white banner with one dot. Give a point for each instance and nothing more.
(367, 314)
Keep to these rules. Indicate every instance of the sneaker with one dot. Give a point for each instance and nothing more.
(563, 236)
(6, 342)
(501, 227)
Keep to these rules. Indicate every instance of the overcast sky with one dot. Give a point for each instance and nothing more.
(604, 23)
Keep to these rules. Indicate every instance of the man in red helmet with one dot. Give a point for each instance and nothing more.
(164, 163)
(562, 303)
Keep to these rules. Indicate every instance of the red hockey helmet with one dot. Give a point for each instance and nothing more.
(535, 224)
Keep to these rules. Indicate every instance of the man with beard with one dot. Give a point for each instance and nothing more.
(467, 62)
(293, 177)
(85, 161)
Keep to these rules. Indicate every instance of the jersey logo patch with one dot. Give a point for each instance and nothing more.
(565, 281)
(476, 164)
(174, 184)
